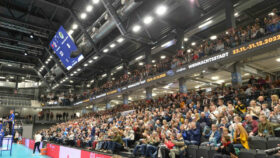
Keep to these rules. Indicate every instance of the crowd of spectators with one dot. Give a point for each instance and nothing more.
(225, 118)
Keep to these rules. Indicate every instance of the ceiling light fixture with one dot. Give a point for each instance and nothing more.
(163, 57)
(278, 59)
(85, 65)
(186, 39)
(161, 10)
(139, 58)
(95, 1)
(83, 15)
(120, 67)
(113, 45)
(147, 20)
(193, 43)
(136, 28)
(89, 8)
(95, 57)
(105, 50)
(90, 61)
(120, 40)
(74, 26)
(153, 61)
(214, 37)
(141, 63)
(70, 32)
(205, 24)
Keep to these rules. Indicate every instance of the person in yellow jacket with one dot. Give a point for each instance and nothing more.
(241, 136)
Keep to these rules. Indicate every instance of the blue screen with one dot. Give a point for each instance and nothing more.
(63, 46)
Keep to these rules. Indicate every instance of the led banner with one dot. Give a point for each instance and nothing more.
(257, 44)
(209, 60)
(156, 77)
(112, 92)
(85, 101)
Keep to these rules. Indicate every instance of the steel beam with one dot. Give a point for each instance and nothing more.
(46, 67)
(42, 78)
(110, 9)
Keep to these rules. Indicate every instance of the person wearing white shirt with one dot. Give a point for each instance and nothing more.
(38, 139)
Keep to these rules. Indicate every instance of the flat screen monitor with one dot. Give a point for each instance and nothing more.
(63, 45)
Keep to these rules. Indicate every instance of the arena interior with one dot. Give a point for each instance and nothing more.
(140, 78)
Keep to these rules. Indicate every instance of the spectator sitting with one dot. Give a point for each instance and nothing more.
(128, 136)
(265, 127)
(274, 116)
(116, 142)
(179, 147)
(226, 150)
(250, 125)
(240, 137)
(254, 109)
(265, 111)
(193, 135)
(214, 136)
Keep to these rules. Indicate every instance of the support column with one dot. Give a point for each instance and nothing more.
(229, 9)
(108, 105)
(149, 93)
(148, 56)
(16, 87)
(94, 108)
(125, 67)
(109, 75)
(236, 78)
(182, 85)
(125, 99)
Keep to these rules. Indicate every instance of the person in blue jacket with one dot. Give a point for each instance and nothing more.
(194, 135)
(2, 135)
(11, 121)
(214, 136)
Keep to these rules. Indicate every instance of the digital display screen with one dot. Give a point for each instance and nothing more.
(63, 46)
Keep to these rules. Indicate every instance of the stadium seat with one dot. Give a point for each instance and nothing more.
(261, 154)
(257, 143)
(212, 152)
(272, 142)
(203, 151)
(244, 153)
(191, 151)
